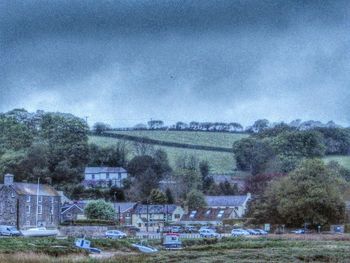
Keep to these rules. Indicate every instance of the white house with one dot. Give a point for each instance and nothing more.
(104, 176)
(237, 202)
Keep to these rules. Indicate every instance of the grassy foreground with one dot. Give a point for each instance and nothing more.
(311, 248)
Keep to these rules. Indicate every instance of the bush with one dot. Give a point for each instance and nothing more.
(89, 222)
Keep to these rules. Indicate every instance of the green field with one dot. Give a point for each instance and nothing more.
(220, 162)
(216, 139)
(343, 160)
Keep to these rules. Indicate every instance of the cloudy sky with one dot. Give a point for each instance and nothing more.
(124, 62)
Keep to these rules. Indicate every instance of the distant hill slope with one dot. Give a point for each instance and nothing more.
(215, 147)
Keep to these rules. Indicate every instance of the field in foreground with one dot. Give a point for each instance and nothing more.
(311, 248)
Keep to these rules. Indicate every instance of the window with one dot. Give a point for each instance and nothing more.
(119, 176)
(40, 198)
(28, 209)
(207, 213)
(52, 209)
(107, 176)
(69, 215)
(221, 213)
(12, 210)
(27, 223)
(177, 216)
(40, 209)
(93, 177)
(193, 213)
(52, 200)
(13, 194)
(28, 198)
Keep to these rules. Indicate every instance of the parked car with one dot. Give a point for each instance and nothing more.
(176, 229)
(131, 228)
(298, 231)
(9, 231)
(208, 233)
(115, 234)
(239, 232)
(191, 229)
(253, 232)
(207, 227)
(261, 231)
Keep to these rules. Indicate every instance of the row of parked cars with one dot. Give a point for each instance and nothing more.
(209, 232)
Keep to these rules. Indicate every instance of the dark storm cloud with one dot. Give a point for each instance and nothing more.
(127, 61)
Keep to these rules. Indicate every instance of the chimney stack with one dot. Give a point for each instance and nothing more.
(8, 179)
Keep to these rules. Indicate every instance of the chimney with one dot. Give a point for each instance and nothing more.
(8, 179)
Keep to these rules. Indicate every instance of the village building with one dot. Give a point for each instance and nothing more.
(208, 216)
(104, 177)
(26, 205)
(156, 216)
(239, 203)
(75, 211)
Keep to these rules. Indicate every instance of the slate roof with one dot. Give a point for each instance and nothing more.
(96, 170)
(154, 209)
(124, 206)
(226, 200)
(208, 214)
(31, 189)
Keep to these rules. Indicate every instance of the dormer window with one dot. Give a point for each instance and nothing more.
(40, 198)
(28, 198)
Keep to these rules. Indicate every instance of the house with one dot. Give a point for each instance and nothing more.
(208, 216)
(156, 216)
(104, 176)
(237, 202)
(124, 212)
(28, 205)
(75, 211)
(72, 212)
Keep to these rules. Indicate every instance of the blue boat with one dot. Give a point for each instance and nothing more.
(86, 244)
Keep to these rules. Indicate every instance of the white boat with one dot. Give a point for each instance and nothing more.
(39, 232)
(145, 249)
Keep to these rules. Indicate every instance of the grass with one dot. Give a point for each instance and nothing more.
(220, 162)
(311, 248)
(217, 139)
(341, 159)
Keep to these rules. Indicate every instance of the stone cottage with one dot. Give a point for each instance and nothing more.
(21, 206)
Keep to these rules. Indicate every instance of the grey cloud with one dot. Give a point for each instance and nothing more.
(127, 61)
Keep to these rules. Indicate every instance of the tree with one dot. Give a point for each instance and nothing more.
(260, 125)
(169, 196)
(257, 184)
(99, 209)
(100, 127)
(310, 194)
(195, 199)
(157, 197)
(253, 154)
(207, 180)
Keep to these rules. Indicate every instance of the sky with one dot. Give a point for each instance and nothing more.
(125, 62)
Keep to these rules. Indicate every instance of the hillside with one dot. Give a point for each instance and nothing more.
(220, 162)
(341, 159)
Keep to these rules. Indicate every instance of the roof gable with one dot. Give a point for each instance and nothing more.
(226, 200)
(32, 189)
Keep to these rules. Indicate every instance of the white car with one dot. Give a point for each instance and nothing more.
(239, 232)
(208, 233)
(115, 234)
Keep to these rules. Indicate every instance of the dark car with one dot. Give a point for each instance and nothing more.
(298, 231)
(191, 229)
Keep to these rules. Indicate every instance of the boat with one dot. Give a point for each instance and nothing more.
(39, 232)
(86, 244)
(172, 241)
(145, 249)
